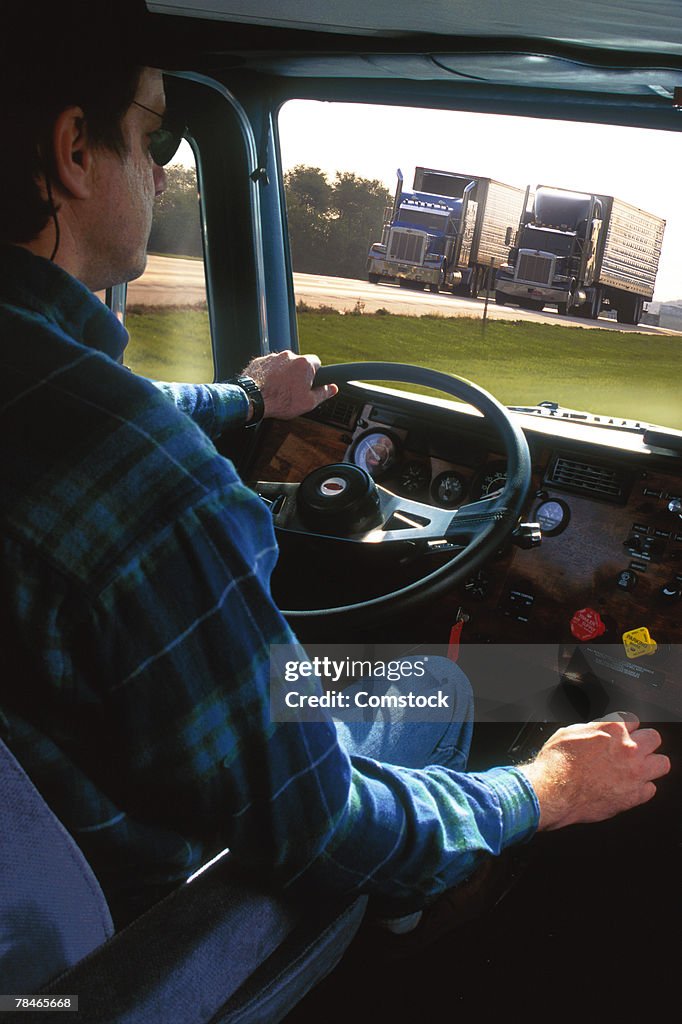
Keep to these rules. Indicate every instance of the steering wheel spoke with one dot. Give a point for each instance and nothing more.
(471, 519)
(406, 519)
(400, 519)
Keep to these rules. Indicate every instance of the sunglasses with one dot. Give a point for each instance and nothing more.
(163, 141)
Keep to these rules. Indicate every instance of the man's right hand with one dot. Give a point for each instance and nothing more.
(593, 771)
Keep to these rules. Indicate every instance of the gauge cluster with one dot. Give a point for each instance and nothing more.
(418, 474)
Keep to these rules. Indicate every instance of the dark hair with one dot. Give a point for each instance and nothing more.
(72, 56)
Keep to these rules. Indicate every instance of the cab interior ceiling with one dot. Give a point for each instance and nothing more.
(614, 78)
(602, 23)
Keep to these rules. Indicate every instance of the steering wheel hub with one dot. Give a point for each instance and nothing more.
(340, 499)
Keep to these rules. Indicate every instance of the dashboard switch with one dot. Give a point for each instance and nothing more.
(587, 624)
(627, 579)
(477, 586)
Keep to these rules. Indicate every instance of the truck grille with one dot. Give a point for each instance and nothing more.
(604, 482)
(409, 246)
(534, 268)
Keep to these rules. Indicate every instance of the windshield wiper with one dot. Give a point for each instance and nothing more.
(663, 437)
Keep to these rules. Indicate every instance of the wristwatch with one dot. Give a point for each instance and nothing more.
(254, 395)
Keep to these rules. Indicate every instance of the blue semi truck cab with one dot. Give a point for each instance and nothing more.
(447, 233)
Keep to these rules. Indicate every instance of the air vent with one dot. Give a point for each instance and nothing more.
(607, 483)
(338, 410)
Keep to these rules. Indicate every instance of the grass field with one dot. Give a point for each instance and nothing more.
(624, 374)
(170, 343)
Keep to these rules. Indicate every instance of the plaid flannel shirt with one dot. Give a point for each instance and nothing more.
(138, 620)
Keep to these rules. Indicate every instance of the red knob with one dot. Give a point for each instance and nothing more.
(587, 624)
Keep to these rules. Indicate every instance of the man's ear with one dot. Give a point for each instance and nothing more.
(73, 156)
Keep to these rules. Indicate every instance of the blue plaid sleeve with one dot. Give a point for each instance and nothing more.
(213, 407)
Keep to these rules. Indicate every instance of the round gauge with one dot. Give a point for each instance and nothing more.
(492, 478)
(414, 477)
(552, 516)
(375, 451)
(448, 489)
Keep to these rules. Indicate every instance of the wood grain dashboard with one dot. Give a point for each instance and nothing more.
(610, 560)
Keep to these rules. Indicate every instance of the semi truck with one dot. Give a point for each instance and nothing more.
(583, 252)
(447, 233)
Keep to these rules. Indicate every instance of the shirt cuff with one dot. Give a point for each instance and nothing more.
(518, 803)
(231, 405)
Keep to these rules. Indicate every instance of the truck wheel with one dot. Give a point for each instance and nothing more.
(373, 278)
(630, 309)
(500, 298)
(562, 308)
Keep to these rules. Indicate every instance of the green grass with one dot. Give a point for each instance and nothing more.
(624, 374)
(169, 343)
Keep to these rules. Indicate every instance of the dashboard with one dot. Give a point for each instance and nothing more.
(607, 576)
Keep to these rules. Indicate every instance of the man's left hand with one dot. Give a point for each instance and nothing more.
(285, 380)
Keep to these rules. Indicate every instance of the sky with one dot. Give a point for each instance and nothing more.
(637, 165)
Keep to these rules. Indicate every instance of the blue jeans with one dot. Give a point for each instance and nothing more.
(392, 737)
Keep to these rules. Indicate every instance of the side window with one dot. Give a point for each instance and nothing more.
(166, 308)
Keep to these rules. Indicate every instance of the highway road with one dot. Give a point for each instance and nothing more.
(173, 281)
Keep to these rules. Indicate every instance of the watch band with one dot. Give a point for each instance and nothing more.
(254, 395)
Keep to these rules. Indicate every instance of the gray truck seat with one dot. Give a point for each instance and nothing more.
(216, 950)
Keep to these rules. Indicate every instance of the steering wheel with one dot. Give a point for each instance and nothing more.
(473, 532)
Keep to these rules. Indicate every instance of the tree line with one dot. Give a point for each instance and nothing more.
(176, 227)
(331, 223)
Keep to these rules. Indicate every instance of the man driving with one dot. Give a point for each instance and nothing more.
(135, 592)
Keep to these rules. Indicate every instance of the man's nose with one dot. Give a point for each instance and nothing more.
(160, 180)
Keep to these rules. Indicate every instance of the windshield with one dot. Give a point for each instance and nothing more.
(422, 219)
(582, 342)
(546, 240)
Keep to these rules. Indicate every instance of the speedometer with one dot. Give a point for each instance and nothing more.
(375, 451)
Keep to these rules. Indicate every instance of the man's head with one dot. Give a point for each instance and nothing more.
(76, 117)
